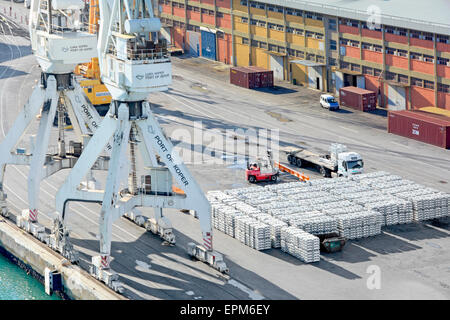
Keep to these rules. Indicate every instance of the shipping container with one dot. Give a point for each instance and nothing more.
(357, 98)
(251, 77)
(422, 126)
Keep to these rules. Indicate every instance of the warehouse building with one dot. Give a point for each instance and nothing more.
(326, 45)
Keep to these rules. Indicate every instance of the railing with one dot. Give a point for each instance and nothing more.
(58, 29)
(143, 54)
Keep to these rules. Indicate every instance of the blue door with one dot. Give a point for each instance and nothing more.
(209, 45)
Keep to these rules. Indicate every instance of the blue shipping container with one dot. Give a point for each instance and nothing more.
(208, 45)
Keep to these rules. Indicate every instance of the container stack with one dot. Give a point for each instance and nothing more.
(300, 244)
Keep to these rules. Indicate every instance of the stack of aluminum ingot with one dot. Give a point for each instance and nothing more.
(275, 226)
(359, 224)
(252, 233)
(314, 222)
(300, 244)
(427, 203)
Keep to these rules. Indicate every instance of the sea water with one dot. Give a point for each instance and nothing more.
(15, 284)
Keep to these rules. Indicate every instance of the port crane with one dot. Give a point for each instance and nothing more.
(134, 63)
(59, 41)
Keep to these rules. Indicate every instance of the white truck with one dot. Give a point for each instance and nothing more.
(338, 162)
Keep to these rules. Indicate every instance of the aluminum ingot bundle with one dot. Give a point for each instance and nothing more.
(300, 244)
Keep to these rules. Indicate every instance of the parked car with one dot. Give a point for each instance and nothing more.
(329, 102)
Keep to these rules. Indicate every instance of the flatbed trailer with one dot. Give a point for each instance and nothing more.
(301, 157)
(337, 162)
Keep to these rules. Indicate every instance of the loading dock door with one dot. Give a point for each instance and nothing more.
(396, 97)
(315, 77)
(339, 78)
(277, 66)
(208, 45)
(194, 43)
(361, 82)
(165, 33)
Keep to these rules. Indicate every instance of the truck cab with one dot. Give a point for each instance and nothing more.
(350, 163)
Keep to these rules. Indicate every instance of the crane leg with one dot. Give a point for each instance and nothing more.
(14, 135)
(40, 149)
(117, 163)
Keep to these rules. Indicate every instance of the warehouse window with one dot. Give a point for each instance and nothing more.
(270, 7)
(244, 3)
(428, 84)
(299, 54)
(245, 41)
(244, 20)
(443, 88)
(427, 58)
(390, 50)
(298, 32)
(391, 76)
(319, 36)
(219, 14)
(279, 9)
(263, 45)
(366, 46)
(355, 67)
(376, 72)
(291, 52)
(332, 24)
(320, 59)
(332, 61)
(220, 35)
(367, 70)
(255, 43)
(416, 56)
(333, 45)
(309, 34)
(416, 82)
(253, 22)
(281, 49)
(377, 48)
(442, 39)
(196, 9)
(402, 78)
(427, 36)
(289, 30)
(345, 65)
(273, 47)
(354, 44)
(260, 23)
(415, 34)
(401, 32)
(311, 57)
(402, 53)
(390, 29)
(290, 11)
(443, 61)
(298, 13)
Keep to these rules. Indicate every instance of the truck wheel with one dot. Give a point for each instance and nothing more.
(290, 159)
(252, 179)
(323, 171)
(298, 162)
(273, 178)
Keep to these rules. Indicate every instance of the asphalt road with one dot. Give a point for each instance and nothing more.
(413, 259)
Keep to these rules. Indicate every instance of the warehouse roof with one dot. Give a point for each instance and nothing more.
(429, 16)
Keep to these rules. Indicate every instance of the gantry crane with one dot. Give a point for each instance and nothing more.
(59, 42)
(133, 64)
